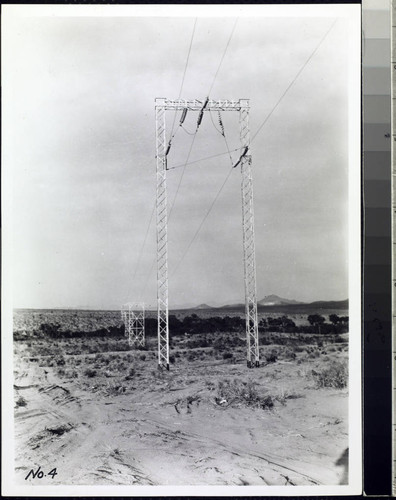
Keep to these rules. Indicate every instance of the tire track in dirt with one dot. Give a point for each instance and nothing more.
(74, 440)
(88, 453)
(280, 465)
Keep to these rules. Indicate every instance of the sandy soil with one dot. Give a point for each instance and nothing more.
(151, 427)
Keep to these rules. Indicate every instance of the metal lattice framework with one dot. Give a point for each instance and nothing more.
(132, 315)
(242, 106)
(162, 238)
(249, 254)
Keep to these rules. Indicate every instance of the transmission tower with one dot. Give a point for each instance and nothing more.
(242, 105)
(133, 318)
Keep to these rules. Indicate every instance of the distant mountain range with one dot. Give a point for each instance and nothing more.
(274, 300)
(271, 302)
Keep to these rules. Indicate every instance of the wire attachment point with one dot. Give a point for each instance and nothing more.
(242, 156)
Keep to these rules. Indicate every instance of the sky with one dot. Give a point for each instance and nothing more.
(79, 156)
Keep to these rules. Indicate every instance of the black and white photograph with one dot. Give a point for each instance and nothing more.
(181, 253)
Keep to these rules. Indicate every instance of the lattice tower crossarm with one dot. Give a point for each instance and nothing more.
(253, 356)
(162, 237)
(197, 105)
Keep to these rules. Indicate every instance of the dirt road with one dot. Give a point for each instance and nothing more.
(152, 436)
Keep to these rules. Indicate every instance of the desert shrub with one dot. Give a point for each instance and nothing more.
(89, 372)
(200, 342)
(50, 329)
(61, 372)
(60, 361)
(142, 357)
(21, 401)
(265, 340)
(60, 429)
(228, 355)
(115, 389)
(121, 366)
(246, 393)
(266, 402)
(289, 353)
(335, 376)
(272, 356)
(210, 385)
(131, 374)
(172, 358)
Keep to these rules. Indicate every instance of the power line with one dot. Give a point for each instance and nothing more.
(182, 82)
(182, 175)
(141, 250)
(200, 118)
(228, 151)
(144, 242)
(202, 222)
(187, 132)
(294, 79)
(148, 276)
(222, 57)
(194, 135)
(222, 132)
(256, 133)
(204, 159)
(174, 119)
(270, 113)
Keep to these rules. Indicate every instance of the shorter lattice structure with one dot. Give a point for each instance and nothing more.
(132, 315)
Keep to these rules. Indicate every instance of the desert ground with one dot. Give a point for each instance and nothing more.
(91, 409)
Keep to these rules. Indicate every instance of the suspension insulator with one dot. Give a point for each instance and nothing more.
(199, 118)
(242, 155)
(201, 112)
(221, 125)
(183, 116)
(168, 148)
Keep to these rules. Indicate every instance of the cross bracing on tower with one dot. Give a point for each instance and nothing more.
(162, 149)
(132, 315)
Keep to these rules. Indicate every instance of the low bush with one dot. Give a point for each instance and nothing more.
(131, 374)
(60, 429)
(89, 372)
(246, 393)
(60, 361)
(21, 401)
(271, 357)
(336, 376)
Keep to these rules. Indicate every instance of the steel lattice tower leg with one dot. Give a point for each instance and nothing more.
(162, 239)
(249, 256)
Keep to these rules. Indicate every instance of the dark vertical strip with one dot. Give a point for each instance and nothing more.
(377, 271)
